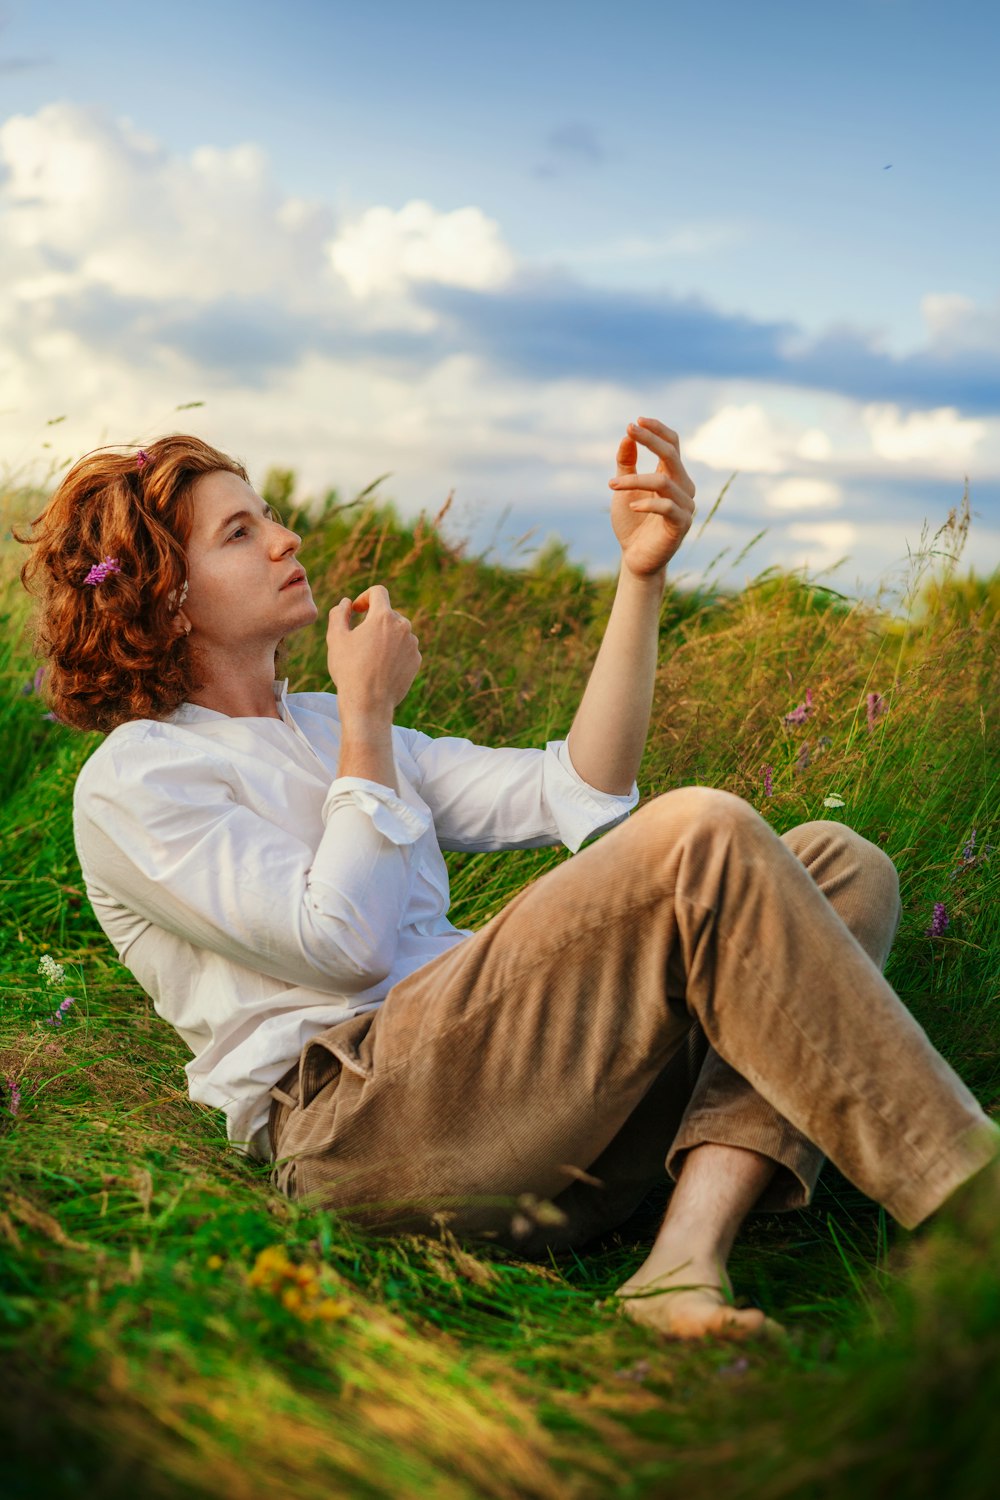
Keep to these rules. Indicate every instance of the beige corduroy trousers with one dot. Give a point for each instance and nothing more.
(688, 977)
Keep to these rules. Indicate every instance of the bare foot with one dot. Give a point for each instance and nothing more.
(690, 1301)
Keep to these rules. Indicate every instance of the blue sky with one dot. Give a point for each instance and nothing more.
(467, 244)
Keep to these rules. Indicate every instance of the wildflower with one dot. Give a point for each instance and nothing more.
(100, 571)
(53, 972)
(833, 800)
(876, 706)
(332, 1307)
(804, 756)
(214, 1262)
(969, 856)
(824, 742)
(141, 459)
(801, 713)
(56, 1018)
(768, 774)
(13, 1095)
(297, 1287)
(35, 685)
(939, 921)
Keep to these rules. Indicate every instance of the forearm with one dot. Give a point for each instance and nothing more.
(609, 731)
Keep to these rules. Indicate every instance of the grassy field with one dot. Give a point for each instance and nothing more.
(169, 1326)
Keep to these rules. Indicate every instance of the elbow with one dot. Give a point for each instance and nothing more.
(360, 961)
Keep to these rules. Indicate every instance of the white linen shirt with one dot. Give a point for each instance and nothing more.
(259, 898)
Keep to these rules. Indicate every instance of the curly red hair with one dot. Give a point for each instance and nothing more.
(113, 654)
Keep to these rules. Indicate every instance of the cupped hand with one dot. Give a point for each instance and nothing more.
(651, 513)
(372, 665)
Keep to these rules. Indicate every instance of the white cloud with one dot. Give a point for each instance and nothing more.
(942, 438)
(958, 323)
(797, 493)
(746, 438)
(90, 203)
(814, 444)
(383, 251)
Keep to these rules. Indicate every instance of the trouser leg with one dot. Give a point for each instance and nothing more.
(860, 882)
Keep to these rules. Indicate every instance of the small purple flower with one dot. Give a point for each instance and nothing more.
(768, 774)
(100, 571)
(939, 921)
(801, 713)
(969, 857)
(35, 685)
(804, 756)
(56, 1019)
(141, 459)
(14, 1095)
(876, 707)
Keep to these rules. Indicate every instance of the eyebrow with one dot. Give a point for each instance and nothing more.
(242, 515)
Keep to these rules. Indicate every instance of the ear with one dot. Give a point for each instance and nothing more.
(181, 623)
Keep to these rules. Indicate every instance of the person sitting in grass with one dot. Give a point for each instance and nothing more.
(689, 997)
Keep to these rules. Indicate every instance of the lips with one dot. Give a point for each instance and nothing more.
(297, 577)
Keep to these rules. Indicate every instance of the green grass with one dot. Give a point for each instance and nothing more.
(140, 1355)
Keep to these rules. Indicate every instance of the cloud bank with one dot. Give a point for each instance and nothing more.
(413, 338)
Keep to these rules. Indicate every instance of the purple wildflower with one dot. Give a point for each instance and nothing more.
(768, 774)
(876, 706)
(14, 1095)
(804, 756)
(939, 921)
(141, 458)
(801, 713)
(969, 856)
(100, 571)
(56, 1018)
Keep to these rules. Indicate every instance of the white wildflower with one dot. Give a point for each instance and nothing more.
(53, 972)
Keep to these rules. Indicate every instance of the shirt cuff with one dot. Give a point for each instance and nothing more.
(579, 808)
(398, 821)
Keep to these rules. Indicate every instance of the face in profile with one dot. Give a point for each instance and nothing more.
(246, 588)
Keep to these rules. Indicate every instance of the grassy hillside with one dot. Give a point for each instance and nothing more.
(169, 1326)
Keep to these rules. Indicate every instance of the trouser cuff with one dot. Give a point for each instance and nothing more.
(798, 1160)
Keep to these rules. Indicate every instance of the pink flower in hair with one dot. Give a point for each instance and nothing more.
(141, 458)
(100, 571)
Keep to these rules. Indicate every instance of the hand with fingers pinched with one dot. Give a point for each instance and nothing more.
(651, 513)
(374, 664)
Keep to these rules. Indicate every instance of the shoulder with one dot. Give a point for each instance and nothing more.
(144, 751)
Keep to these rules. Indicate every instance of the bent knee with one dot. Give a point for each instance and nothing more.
(837, 836)
(687, 803)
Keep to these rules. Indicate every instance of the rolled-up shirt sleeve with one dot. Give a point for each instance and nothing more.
(484, 797)
(159, 829)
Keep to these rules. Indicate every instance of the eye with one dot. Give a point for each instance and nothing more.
(237, 532)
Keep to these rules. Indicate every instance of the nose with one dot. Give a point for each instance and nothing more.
(286, 540)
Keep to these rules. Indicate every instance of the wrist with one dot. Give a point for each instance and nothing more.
(648, 582)
(365, 725)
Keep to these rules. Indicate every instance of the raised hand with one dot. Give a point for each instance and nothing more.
(373, 665)
(651, 513)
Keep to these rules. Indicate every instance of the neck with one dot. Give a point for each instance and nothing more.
(232, 688)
